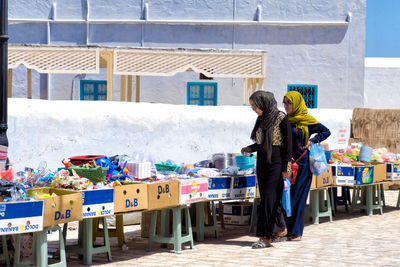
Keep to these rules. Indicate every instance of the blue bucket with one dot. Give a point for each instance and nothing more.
(245, 162)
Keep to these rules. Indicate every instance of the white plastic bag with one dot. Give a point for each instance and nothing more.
(318, 164)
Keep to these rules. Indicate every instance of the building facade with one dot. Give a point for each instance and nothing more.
(319, 43)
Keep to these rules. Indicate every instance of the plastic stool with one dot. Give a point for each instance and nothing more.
(40, 249)
(320, 204)
(164, 237)
(201, 227)
(253, 218)
(344, 199)
(85, 245)
(367, 198)
(4, 255)
(118, 231)
(398, 201)
(382, 194)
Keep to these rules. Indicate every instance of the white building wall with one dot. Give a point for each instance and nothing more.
(382, 80)
(331, 57)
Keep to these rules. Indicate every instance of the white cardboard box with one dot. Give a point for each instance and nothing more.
(243, 186)
(97, 203)
(237, 213)
(219, 187)
(392, 171)
(343, 174)
(193, 190)
(21, 217)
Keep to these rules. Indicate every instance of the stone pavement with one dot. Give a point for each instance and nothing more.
(350, 240)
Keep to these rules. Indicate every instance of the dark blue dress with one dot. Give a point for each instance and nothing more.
(299, 191)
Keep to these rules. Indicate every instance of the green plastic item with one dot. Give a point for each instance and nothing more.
(165, 167)
(95, 175)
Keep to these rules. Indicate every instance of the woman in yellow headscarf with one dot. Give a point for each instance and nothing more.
(303, 127)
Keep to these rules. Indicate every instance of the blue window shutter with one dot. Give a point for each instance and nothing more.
(308, 91)
(203, 94)
(93, 90)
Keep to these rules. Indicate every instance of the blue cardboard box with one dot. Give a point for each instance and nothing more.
(343, 175)
(21, 217)
(219, 187)
(97, 203)
(243, 187)
(393, 171)
(364, 175)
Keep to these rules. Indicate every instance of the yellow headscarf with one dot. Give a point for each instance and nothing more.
(299, 114)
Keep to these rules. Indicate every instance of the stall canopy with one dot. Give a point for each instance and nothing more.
(247, 64)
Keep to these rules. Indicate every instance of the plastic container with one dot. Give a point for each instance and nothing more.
(81, 160)
(365, 153)
(165, 167)
(95, 175)
(245, 162)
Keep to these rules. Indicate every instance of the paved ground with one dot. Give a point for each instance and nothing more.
(351, 240)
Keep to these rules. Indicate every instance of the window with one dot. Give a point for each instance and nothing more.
(93, 90)
(309, 93)
(203, 94)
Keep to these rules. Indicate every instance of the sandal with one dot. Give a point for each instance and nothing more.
(260, 244)
(277, 238)
(294, 238)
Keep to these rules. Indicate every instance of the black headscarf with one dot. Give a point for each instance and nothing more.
(266, 102)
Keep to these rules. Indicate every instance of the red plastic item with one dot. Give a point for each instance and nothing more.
(80, 160)
(8, 175)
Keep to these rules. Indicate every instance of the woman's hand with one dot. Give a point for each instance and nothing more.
(308, 145)
(285, 175)
(246, 150)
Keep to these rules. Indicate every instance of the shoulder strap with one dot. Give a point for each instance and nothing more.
(302, 155)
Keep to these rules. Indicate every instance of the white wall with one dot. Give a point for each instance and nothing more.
(42, 130)
(331, 57)
(382, 82)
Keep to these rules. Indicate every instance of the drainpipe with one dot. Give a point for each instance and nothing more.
(4, 72)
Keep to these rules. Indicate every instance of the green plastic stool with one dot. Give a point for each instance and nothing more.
(117, 232)
(85, 245)
(40, 250)
(398, 201)
(4, 255)
(368, 198)
(201, 227)
(177, 239)
(320, 204)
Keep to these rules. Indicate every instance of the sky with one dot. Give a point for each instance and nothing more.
(383, 28)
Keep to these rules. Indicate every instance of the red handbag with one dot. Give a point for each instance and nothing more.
(295, 168)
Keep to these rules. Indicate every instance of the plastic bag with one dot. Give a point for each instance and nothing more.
(318, 164)
(286, 197)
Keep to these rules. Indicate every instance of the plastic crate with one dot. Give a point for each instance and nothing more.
(95, 175)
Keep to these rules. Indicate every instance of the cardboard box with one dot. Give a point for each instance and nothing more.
(343, 174)
(237, 213)
(363, 175)
(219, 187)
(130, 197)
(97, 203)
(393, 171)
(379, 172)
(243, 187)
(65, 207)
(324, 179)
(193, 190)
(313, 182)
(163, 195)
(21, 217)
